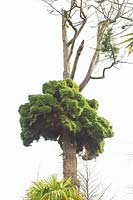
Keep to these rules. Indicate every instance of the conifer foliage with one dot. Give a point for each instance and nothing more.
(62, 109)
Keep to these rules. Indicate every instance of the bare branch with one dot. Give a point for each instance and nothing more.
(127, 18)
(78, 32)
(101, 29)
(104, 70)
(66, 72)
(74, 38)
(67, 18)
(50, 4)
(84, 19)
(104, 192)
(91, 185)
(76, 14)
(76, 59)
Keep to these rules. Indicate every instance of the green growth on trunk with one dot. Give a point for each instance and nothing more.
(61, 108)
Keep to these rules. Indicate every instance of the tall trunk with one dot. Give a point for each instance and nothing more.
(68, 144)
(70, 159)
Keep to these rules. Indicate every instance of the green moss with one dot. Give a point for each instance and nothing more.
(62, 108)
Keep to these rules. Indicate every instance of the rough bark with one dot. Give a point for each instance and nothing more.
(69, 158)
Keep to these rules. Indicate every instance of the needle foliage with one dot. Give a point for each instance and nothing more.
(62, 109)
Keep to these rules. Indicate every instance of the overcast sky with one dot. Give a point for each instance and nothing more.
(30, 46)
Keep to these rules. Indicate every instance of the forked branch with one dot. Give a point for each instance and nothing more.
(82, 15)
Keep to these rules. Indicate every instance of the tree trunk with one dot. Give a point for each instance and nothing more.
(70, 159)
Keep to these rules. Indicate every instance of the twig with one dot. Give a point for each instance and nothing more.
(45, 1)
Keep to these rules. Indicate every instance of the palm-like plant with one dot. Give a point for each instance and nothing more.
(53, 189)
(129, 41)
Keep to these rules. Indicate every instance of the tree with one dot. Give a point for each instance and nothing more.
(105, 21)
(90, 184)
(53, 189)
(61, 113)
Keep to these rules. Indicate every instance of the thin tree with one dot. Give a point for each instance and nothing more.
(91, 185)
(61, 113)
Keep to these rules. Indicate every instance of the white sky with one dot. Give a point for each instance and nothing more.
(29, 56)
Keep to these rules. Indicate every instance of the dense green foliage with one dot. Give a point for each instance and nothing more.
(63, 109)
(53, 189)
